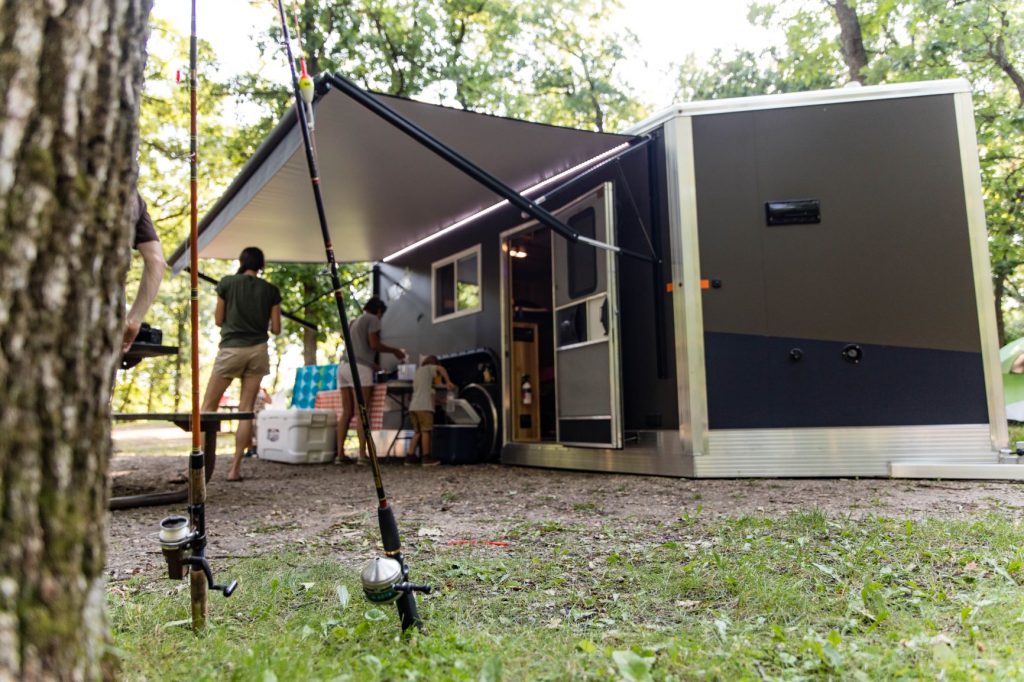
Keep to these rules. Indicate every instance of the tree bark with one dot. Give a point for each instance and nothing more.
(70, 80)
(308, 335)
(997, 50)
(851, 39)
(1000, 296)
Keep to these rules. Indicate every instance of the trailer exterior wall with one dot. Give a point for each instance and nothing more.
(868, 450)
(888, 268)
(649, 385)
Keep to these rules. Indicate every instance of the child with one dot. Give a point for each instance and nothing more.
(421, 408)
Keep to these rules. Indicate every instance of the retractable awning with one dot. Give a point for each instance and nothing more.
(382, 190)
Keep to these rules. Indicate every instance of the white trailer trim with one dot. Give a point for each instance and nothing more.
(978, 235)
(801, 99)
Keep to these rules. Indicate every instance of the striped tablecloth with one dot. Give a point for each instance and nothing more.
(331, 400)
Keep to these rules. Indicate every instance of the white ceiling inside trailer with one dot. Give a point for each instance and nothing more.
(382, 190)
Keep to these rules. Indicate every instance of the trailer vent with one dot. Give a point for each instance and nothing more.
(793, 212)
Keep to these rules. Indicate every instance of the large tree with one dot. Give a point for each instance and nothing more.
(70, 78)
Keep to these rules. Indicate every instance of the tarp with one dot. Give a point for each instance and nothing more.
(382, 190)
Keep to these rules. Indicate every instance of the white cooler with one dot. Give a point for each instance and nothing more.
(296, 436)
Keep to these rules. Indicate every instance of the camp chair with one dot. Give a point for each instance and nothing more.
(309, 381)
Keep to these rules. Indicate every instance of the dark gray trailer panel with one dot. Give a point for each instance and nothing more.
(888, 267)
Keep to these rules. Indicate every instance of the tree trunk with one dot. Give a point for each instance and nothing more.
(997, 50)
(1000, 295)
(854, 54)
(179, 359)
(70, 80)
(308, 335)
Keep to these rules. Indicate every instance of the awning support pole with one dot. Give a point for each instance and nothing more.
(527, 206)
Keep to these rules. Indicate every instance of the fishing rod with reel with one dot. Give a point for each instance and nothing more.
(183, 540)
(385, 579)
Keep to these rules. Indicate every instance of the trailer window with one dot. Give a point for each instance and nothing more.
(456, 285)
(582, 258)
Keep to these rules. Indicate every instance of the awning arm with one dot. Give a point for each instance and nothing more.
(527, 206)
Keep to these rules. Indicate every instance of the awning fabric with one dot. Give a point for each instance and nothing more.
(382, 190)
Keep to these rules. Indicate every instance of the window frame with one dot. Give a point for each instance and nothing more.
(453, 260)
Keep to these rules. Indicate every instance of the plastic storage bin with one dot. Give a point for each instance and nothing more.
(296, 436)
(455, 443)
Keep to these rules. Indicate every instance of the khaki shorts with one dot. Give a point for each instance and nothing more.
(422, 421)
(247, 361)
(345, 375)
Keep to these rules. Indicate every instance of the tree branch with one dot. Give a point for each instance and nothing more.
(997, 50)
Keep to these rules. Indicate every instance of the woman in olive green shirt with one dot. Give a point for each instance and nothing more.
(246, 307)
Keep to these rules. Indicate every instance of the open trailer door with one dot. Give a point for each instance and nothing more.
(586, 318)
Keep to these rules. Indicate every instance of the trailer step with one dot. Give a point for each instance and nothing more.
(1003, 471)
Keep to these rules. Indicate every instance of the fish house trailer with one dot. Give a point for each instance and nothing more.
(787, 285)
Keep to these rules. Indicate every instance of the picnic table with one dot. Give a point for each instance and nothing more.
(209, 425)
(140, 351)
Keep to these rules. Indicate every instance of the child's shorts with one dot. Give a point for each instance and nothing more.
(422, 421)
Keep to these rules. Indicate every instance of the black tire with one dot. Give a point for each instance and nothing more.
(480, 400)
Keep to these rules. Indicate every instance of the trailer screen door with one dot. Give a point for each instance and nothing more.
(586, 319)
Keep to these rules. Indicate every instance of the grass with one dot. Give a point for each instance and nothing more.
(799, 597)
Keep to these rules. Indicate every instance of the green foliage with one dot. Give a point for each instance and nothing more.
(162, 384)
(801, 597)
(551, 61)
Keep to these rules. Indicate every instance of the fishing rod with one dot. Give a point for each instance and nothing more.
(180, 535)
(291, 316)
(385, 579)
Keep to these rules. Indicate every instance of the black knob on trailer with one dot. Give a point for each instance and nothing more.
(853, 353)
(796, 354)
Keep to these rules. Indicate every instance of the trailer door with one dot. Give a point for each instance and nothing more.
(586, 318)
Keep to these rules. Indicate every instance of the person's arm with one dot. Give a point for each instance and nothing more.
(380, 347)
(275, 320)
(447, 379)
(153, 266)
(218, 314)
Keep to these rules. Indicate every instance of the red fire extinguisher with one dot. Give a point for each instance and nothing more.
(526, 390)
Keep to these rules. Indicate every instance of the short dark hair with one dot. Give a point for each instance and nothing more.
(250, 259)
(375, 306)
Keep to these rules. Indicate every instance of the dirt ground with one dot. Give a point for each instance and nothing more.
(281, 506)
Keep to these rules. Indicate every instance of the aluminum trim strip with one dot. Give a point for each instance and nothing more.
(839, 451)
(980, 259)
(687, 311)
(658, 454)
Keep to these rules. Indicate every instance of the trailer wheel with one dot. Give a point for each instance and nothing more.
(487, 431)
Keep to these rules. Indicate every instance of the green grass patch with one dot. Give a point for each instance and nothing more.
(752, 598)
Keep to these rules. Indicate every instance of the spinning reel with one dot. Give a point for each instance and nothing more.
(175, 539)
(385, 580)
